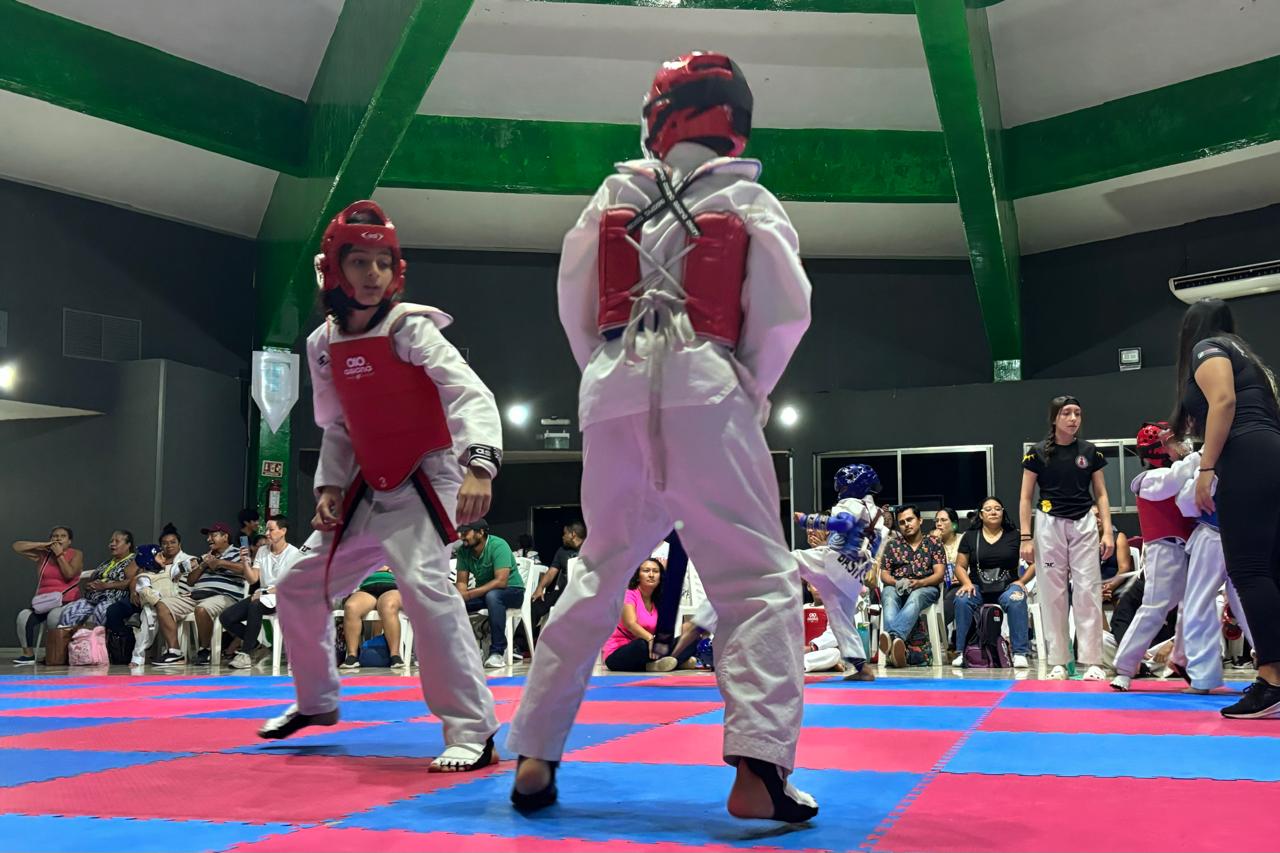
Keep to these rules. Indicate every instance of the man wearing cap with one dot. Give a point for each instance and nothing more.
(498, 584)
(217, 581)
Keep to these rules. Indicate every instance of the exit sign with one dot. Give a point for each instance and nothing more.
(272, 469)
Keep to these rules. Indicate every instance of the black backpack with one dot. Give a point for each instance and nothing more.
(989, 650)
(119, 646)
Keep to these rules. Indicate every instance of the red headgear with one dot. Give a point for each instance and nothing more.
(1151, 439)
(343, 233)
(699, 97)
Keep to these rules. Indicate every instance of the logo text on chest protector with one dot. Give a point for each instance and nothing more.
(357, 367)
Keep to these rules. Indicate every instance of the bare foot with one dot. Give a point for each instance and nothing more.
(768, 798)
(748, 798)
(533, 775)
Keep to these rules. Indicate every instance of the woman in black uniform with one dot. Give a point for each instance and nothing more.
(1227, 394)
(1068, 543)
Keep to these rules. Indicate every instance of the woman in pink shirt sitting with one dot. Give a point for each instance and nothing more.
(58, 568)
(628, 648)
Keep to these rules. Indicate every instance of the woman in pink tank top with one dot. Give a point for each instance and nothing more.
(58, 567)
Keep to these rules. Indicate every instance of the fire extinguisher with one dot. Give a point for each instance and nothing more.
(273, 498)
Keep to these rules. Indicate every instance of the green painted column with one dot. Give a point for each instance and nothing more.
(957, 48)
(375, 72)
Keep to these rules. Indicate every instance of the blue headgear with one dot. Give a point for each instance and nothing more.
(145, 557)
(857, 481)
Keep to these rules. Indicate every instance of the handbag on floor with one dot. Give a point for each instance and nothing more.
(55, 646)
(88, 647)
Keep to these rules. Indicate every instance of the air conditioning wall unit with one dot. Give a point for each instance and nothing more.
(1227, 284)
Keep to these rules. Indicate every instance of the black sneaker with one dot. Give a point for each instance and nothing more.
(396, 661)
(172, 658)
(204, 657)
(1260, 700)
(351, 662)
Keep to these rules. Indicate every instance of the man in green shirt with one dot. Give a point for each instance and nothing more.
(498, 583)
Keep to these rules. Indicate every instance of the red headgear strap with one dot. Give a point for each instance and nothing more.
(1150, 441)
(342, 233)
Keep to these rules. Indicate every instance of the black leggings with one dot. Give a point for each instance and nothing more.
(244, 620)
(1248, 503)
(634, 655)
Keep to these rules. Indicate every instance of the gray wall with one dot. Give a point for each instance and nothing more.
(1080, 305)
(167, 448)
(192, 290)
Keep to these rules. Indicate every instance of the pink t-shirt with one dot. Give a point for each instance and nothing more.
(51, 579)
(648, 620)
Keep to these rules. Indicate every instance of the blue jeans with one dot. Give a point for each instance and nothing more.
(1014, 603)
(902, 612)
(496, 601)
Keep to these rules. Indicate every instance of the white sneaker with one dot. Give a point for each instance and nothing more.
(241, 661)
(495, 662)
(1020, 662)
(1095, 673)
(1120, 683)
(958, 660)
(1058, 673)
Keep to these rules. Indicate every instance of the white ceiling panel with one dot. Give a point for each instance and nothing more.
(1056, 56)
(442, 219)
(78, 154)
(274, 43)
(1174, 195)
(578, 62)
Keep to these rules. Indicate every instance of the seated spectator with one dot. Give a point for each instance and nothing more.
(376, 592)
(554, 579)
(106, 585)
(244, 618)
(217, 580)
(946, 532)
(526, 550)
(58, 568)
(167, 580)
(248, 519)
(911, 572)
(629, 648)
(822, 653)
(987, 569)
(498, 583)
(1119, 566)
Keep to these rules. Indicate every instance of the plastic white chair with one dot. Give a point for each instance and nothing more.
(935, 621)
(406, 633)
(530, 574)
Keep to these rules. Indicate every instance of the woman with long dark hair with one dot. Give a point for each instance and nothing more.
(628, 647)
(1067, 544)
(1228, 395)
(987, 569)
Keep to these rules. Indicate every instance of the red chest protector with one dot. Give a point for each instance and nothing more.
(392, 408)
(1163, 519)
(712, 276)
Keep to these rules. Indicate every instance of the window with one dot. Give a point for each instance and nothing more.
(1123, 465)
(929, 477)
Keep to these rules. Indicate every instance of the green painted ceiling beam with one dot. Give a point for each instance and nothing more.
(957, 48)
(1179, 123)
(569, 158)
(91, 71)
(865, 7)
(376, 70)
